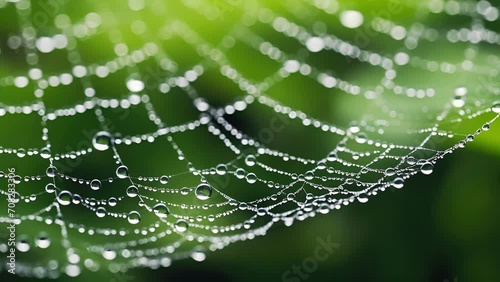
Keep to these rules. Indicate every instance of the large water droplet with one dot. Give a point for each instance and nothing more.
(45, 152)
(102, 141)
(51, 171)
(100, 212)
(132, 191)
(250, 160)
(164, 179)
(203, 191)
(363, 198)
(251, 178)
(426, 168)
(50, 188)
(161, 210)
(95, 184)
(64, 198)
(398, 183)
(122, 172)
(181, 225)
(134, 217)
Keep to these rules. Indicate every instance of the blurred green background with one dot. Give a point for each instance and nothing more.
(441, 227)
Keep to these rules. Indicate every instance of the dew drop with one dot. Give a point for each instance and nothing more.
(45, 152)
(181, 225)
(161, 210)
(203, 191)
(23, 245)
(251, 178)
(51, 171)
(122, 172)
(95, 184)
(109, 254)
(362, 198)
(64, 198)
(426, 168)
(50, 188)
(42, 241)
(398, 183)
(102, 140)
(164, 179)
(390, 171)
(100, 212)
(112, 201)
(221, 169)
(250, 160)
(134, 217)
(132, 191)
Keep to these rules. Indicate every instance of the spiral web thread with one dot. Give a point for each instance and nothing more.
(148, 221)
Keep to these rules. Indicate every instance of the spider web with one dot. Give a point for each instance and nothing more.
(163, 139)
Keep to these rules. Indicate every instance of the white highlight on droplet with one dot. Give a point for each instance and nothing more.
(351, 19)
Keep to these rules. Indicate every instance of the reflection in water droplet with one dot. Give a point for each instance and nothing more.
(203, 191)
(95, 184)
(100, 212)
(426, 168)
(102, 141)
(161, 210)
(132, 191)
(164, 179)
(134, 217)
(64, 198)
(181, 225)
(122, 172)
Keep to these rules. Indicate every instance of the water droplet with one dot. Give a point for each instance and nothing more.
(100, 212)
(332, 157)
(181, 225)
(122, 172)
(109, 254)
(45, 152)
(161, 210)
(426, 168)
(221, 169)
(251, 178)
(112, 201)
(51, 171)
(134, 217)
(250, 160)
(102, 141)
(132, 191)
(23, 245)
(390, 171)
(95, 184)
(21, 153)
(64, 198)
(411, 160)
(496, 107)
(203, 191)
(486, 127)
(240, 173)
(398, 183)
(42, 241)
(164, 179)
(362, 198)
(50, 188)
